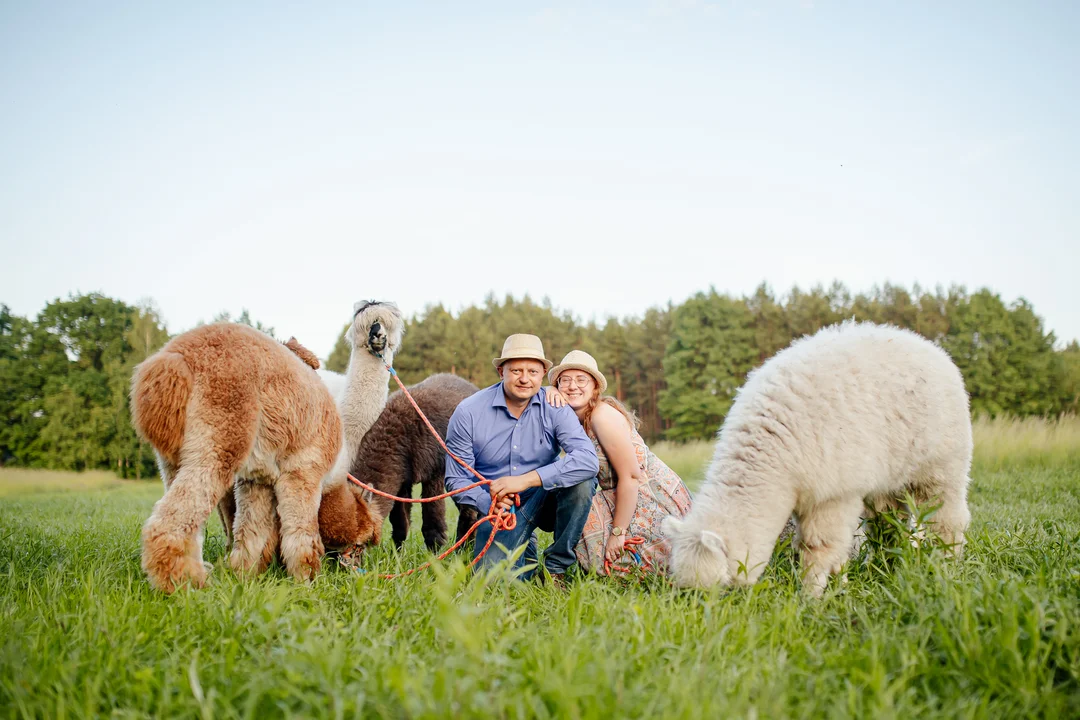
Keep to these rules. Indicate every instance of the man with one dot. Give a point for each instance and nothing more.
(511, 435)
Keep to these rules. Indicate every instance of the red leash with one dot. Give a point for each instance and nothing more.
(643, 565)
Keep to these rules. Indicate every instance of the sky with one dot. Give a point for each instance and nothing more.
(292, 159)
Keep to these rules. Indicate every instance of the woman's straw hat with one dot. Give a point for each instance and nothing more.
(578, 360)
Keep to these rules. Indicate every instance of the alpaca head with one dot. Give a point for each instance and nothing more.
(699, 558)
(346, 520)
(376, 326)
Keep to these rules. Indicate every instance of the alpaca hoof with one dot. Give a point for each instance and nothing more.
(170, 562)
(303, 559)
(168, 574)
(307, 567)
(247, 564)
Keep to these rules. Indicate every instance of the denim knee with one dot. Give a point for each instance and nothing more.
(577, 495)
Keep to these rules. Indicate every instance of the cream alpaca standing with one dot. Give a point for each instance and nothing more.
(367, 381)
(361, 397)
(854, 413)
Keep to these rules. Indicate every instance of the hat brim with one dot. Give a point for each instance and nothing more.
(598, 376)
(497, 362)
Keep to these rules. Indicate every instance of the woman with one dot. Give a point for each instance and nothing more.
(637, 490)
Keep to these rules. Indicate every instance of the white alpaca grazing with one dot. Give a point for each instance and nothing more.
(854, 413)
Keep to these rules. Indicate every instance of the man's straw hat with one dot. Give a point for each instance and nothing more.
(578, 360)
(522, 347)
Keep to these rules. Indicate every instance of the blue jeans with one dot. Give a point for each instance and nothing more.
(562, 511)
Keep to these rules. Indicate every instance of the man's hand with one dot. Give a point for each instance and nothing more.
(554, 397)
(513, 484)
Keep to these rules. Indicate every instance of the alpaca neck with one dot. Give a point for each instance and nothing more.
(366, 389)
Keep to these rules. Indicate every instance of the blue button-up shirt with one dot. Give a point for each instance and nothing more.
(483, 433)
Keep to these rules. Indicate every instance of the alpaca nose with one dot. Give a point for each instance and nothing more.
(374, 332)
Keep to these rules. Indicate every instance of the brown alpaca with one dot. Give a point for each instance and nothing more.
(344, 518)
(399, 451)
(224, 402)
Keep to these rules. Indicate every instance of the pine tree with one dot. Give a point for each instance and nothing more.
(708, 357)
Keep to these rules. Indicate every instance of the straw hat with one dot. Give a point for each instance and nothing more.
(522, 347)
(579, 360)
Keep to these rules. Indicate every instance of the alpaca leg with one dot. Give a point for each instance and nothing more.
(827, 532)
(948, 488)
(166, 469)
(172, 536)
(298, 494)
(227, 511)
(467, 517)
(433, 513)
(399, 523)
(255, 529)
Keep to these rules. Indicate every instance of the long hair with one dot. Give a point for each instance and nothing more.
(586, 419)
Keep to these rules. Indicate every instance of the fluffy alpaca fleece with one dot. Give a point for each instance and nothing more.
(345, 519)
(227, 407)
(399, 451)
(854, 413)
(344, 516)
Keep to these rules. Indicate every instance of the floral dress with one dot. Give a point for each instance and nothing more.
(660, 493)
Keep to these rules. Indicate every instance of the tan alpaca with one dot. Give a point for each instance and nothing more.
(345, 519)
(225, 404)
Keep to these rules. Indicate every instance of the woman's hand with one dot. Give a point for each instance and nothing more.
(554, 397)
(614, 548)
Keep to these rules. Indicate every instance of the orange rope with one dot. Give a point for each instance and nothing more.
(644, 565)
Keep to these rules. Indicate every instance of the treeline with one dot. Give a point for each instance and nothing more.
(679, 366)
(64, 376)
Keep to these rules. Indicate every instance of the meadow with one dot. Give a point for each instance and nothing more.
(909, 634)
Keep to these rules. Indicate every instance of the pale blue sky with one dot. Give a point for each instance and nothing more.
(611, 156)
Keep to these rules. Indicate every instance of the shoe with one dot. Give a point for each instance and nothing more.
(556, 580)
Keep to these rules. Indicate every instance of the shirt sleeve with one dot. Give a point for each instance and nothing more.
(580, 462)
(460, 442)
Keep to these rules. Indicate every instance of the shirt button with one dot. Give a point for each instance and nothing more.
(515, 467)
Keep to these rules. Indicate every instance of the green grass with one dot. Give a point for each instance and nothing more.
(910, 634)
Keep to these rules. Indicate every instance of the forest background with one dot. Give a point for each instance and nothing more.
(64, 375)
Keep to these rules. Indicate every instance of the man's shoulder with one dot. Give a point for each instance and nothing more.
(478, 400)
(554, 412)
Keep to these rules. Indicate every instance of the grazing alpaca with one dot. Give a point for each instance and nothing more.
(226, 405)
(360, 395)
(855, 413)
(399, 451)
(344, 517)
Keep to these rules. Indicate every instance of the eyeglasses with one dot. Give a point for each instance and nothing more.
(581, 381)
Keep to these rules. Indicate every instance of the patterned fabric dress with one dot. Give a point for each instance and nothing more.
(661, 493)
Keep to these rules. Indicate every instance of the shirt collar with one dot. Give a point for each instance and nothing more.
(500, 396)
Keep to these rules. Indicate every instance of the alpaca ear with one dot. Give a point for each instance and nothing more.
(714, 542)
(670, 526)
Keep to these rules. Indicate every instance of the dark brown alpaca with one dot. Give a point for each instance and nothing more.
(399, 451)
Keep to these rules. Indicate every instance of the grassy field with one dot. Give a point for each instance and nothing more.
(909, 635)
